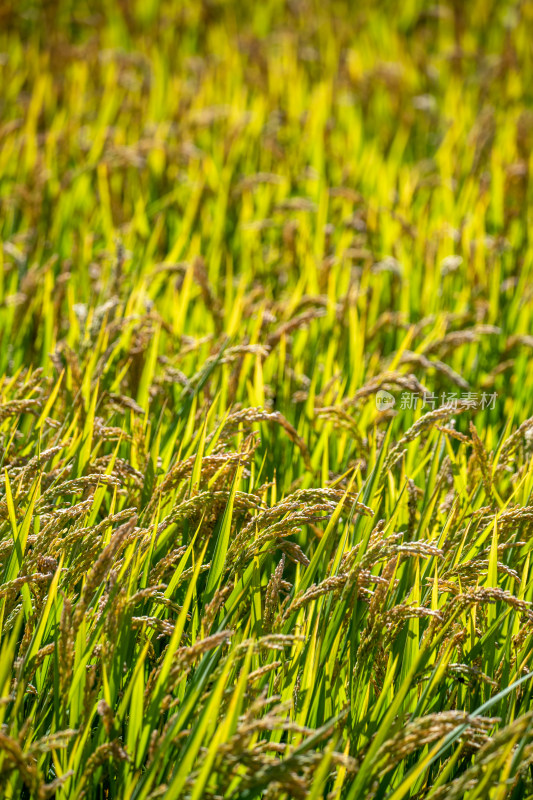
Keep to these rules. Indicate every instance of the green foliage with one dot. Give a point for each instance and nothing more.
(226, 570)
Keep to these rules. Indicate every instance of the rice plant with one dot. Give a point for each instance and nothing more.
(266, 400)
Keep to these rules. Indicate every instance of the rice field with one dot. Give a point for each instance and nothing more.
(266, 400)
